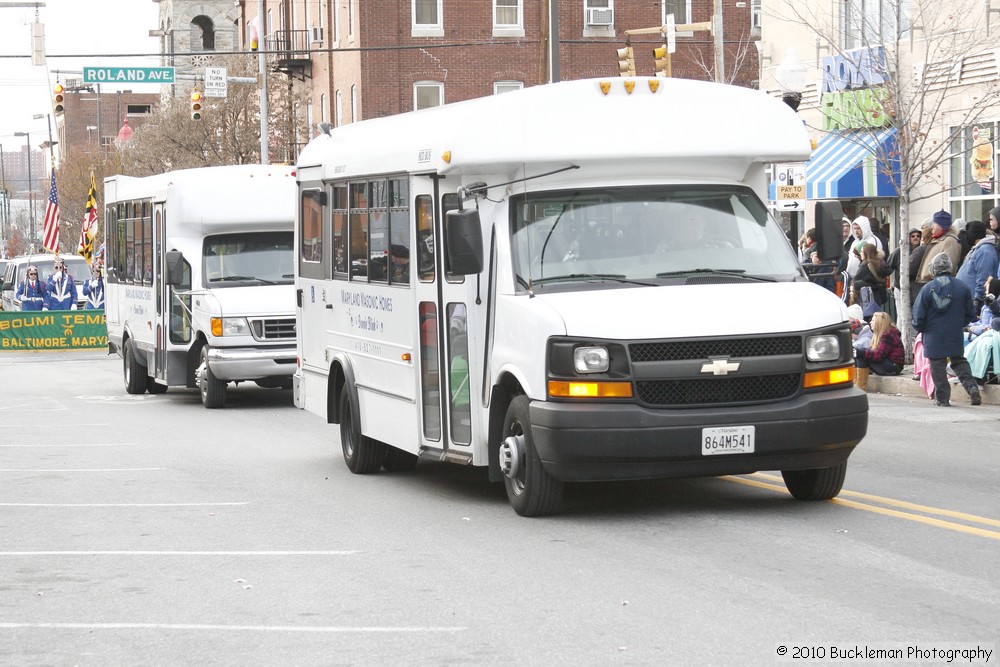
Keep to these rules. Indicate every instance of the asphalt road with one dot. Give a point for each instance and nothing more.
(150, 531)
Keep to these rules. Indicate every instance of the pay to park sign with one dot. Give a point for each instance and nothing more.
(52, 330)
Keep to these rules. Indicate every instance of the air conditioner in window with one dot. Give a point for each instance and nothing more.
(316, 34)
(600, 17)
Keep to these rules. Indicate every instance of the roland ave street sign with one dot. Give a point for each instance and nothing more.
(128, 75)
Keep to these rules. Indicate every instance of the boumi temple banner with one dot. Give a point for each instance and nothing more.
(52, 330)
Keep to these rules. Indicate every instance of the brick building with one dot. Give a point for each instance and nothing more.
(368, 58)
(92, 120)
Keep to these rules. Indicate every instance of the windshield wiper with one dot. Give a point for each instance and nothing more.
(228, 278)
(724, 272)
(617, 277)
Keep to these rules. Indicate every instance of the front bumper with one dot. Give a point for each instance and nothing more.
(594, 442)
(244, 363)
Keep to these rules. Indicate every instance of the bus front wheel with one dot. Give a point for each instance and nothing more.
(135, 372)
(362, 454)
(530, 489)
(213, 390)
(815, 484)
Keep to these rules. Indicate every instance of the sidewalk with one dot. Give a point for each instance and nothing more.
(902, 385)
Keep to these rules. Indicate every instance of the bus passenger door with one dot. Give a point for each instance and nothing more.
(161, 294)
(444, 357)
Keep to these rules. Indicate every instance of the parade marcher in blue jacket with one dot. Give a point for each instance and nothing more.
(940, 313)
(93, 289)
(31, 292)
(61, 289)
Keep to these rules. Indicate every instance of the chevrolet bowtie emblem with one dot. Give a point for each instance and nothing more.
(721, 367)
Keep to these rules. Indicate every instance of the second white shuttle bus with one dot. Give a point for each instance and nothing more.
(199, 289)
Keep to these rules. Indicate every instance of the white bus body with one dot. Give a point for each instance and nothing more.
(633, 311)
(199, 288)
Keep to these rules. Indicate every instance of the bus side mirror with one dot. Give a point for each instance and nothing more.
(174, 263)
(464, 242)
(829, 230)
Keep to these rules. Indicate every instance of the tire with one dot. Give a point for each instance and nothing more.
(154, 387)
(532, 491)
(815, 484)
(396, 460)
(213, 390)
(362, 454)
(135, 372)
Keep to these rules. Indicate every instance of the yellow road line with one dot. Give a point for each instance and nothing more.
(931, 521)
(972, 518)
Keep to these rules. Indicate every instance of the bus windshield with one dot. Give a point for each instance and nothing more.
(249, 258)
(646, 234)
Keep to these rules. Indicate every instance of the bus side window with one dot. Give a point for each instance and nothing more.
(359, 230)
(339, 231)
(425, 238)
(180, 306)
(311, 235)
(399, 231)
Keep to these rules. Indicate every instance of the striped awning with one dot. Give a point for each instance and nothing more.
(844, 166)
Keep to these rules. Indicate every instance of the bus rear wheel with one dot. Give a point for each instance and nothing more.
(815, 484)
(213, 390)
(362, 454)
(135, 372)
(530, 489)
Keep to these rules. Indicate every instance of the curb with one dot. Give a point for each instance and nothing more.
(903, 385)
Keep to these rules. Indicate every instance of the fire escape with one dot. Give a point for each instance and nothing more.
(289, 54)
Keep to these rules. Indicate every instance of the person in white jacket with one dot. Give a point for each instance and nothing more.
(862, 229)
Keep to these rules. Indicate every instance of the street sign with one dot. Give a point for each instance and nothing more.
(216, 83)
(790, 173)
(791, 192)
(128, 75)
(790, 204)
(671, 34)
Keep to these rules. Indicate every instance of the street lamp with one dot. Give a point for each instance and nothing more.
(31, 189)
(791, 77)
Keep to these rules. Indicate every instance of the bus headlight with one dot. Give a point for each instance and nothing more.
(230, 326)
(823, 347)
(594, 359)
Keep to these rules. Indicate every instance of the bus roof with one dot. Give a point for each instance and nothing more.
(705, 128)
(250, 193)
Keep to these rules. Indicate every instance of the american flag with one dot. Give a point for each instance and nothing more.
(50, 228)
(89, 229)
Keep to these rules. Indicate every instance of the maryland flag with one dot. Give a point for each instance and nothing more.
(88, 232)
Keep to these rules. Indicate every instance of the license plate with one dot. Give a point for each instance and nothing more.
(727, 440)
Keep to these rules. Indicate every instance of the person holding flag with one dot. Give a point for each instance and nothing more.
(88, 231)
(61, 288)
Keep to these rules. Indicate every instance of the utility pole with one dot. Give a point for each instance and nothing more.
(720, 56)
(262, 76)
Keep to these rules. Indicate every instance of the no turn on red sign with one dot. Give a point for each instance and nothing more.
(216, 82)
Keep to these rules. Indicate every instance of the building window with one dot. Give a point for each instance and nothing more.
(138, 109)
(598, 14)
(322, 108)
(508, 15)
(506, 86)
(202, 34)
(973, 171)
(354, 103)
(427, 94)
(681, 9)
(755, 14)
(350, 19)
(338, 109)
(426, 14)
(874, 22)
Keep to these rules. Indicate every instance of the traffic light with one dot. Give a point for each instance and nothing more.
(661, 58)
(195, 104)
(626, 62)
(57, 99)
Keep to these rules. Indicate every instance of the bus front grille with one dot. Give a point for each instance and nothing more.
(721, 391)
(278, 328)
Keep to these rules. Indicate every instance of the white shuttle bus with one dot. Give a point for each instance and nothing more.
(572, 282)
(200, 278)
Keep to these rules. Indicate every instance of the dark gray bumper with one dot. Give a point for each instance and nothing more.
(591, 442)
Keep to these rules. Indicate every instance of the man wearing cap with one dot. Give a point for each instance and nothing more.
(941, 311)
(943, 239)
(31, 292)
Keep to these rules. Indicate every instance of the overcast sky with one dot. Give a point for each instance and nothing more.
(88, 28)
